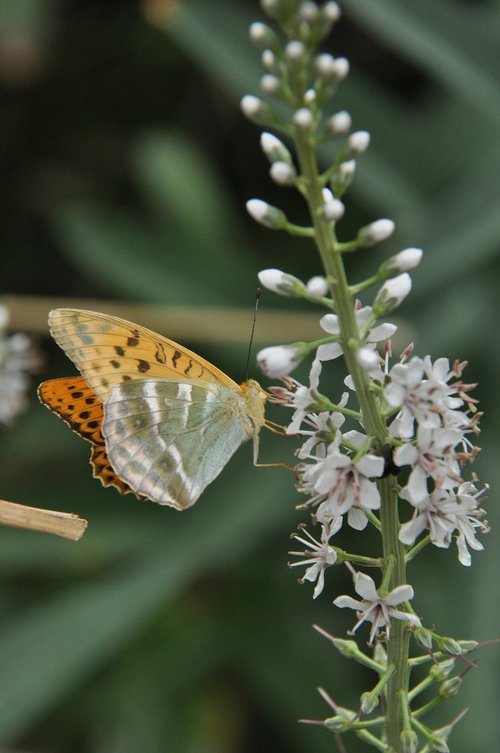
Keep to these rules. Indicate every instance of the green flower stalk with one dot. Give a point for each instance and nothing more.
(399, 449)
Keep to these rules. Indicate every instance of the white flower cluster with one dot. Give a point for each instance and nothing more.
(431, 429)
(427, 425)
(17, 359)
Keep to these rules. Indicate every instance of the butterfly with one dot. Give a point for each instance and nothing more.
(163, 422)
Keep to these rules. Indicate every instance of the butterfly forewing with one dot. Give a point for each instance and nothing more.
(169, 440)
(108, 350)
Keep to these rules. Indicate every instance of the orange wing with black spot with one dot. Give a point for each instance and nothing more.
(72, 400)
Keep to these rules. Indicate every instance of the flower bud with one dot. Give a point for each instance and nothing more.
(375, 232)
(440, 672)
(342, 178)
(424, 637)
(342, 68)
(339, 123)
(295, 51)
(333, 210)
(317, 286)
(279, 360)
(282, 173)
(267, 215)
(392, 294)
(310, 96)
(263, 36)
(407, 259)
(466, 646)
(274, 149)
(326, 65)
(273, 8)
(409, 741)
(269, 60)
(450, 687)
(358, 142)
(449, 645)
(332, 11)
(270, 84)
(303, 118)
(256, 110)
(281, 283)
(341, 722)
(369, 701)
(308, 11)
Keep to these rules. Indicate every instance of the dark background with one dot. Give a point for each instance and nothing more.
(125, 166)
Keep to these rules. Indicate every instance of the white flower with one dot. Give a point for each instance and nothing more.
(341, 485)
(432, 457)
(279, 360)
(302, 398)
(375, 608)
(330, 323)
(444, 512)
(323, 431)
(429, 401)
(369, 361)
(18, 358)
(319, 554)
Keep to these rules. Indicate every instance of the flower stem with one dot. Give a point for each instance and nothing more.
(393, 550)
(398, 645)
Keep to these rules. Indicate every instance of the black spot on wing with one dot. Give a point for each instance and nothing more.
(160, 355)
(143, 366)
(133, 341)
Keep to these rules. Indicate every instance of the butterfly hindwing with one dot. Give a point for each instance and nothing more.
(168, 440)
(72, 400)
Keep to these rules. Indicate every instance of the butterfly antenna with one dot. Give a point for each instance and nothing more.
(258, 293)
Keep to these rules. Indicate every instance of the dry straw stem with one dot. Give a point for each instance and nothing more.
(63, 524)
(222, 324)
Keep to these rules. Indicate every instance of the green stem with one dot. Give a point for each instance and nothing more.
(373, 421)
(398, 645)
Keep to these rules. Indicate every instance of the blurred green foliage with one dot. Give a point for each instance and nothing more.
(125, 165)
